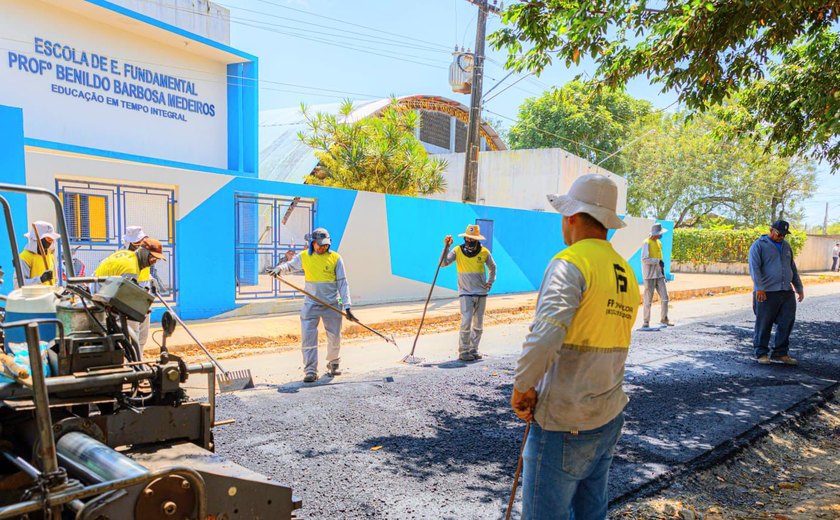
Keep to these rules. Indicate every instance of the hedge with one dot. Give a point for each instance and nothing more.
(704, 246)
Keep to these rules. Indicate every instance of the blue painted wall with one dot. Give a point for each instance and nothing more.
(206, 239)
(524, 242)
(243, 117)
(13, 171)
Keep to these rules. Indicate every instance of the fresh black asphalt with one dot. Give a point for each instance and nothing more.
(439, 440)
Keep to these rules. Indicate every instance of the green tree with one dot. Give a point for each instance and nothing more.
(592, 125)
(678, 170)
(707, 51)
(379, 154)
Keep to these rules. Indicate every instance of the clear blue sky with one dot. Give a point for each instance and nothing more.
(322, 51)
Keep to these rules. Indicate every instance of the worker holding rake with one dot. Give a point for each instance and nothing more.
(474, 283)
(37, 260)
(325, 278)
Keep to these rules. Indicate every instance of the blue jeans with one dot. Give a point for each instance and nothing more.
(564, 475)
(778, 308)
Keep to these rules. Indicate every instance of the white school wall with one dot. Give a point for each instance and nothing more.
(56, 117)
(522, 178)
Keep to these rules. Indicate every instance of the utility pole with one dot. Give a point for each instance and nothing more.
(470, 189)
(825, 220)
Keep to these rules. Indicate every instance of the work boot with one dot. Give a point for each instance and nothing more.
(332, 368)
(645, 325)
(466, 356)
(787, 360)
(763, 360)
(310, 378)
(667, 322)
(476, 355)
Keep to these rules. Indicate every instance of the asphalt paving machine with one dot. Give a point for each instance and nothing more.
(90, 430)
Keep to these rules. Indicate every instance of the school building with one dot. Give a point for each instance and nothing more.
(134, 113)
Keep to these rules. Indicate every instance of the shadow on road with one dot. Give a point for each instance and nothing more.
(683, 404)
(482, 439)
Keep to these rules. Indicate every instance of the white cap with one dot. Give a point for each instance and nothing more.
(320, 236)
(134, 234)
(596, 195)
(45, 230)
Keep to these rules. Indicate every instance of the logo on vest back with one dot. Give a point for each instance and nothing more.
(620, 279)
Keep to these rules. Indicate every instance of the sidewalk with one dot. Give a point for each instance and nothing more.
(401, 318)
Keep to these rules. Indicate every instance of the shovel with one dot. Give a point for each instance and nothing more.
(228, 381)
(410, 358)
(389, 338)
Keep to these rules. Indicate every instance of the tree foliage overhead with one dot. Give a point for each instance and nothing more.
(592, 126)
(707, 51)
(379, 154)
(680, 171)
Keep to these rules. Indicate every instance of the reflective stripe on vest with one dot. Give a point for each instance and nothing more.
(319, 268)
(119, 263)
(610, 302)
(36, 264)
(465, 264)
(654, 248)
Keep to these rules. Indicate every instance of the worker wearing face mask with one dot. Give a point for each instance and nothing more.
(37, 260)
(476, 275)
(327, 280)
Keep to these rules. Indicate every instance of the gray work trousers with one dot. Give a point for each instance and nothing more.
(658, 285)
(472, 323)
(141, 329)
(309, 318)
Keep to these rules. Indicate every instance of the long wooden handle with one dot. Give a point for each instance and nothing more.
(327, 305)
(40, 246)
(428, 299)
(518, 472)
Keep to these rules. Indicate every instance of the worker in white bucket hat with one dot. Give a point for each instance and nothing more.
(653, 274)
(132, 240)
(570, 373)
(471, 258)
(37, 260)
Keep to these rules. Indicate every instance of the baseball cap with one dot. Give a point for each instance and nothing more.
(782, 227)
(154, 247)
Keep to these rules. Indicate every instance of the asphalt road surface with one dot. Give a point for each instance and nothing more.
(439, 441)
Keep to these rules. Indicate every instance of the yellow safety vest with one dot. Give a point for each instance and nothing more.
(654, 248)
(465, 264)
(319, 268)
(145, 274)
(610, 302)
(119, 263)
(36, 264)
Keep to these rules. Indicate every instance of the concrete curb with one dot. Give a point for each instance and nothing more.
(729, 448)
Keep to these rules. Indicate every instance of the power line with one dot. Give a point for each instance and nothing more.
(322, 16)
(504, 89)
(366, 50)
(546, 132)
(342, 34)
(272, 27)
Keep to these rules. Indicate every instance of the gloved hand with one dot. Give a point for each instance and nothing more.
(524, 403)
(46, 276)
(350, 315)
(273, 271)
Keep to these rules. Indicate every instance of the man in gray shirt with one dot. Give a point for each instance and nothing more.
(774, 278)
